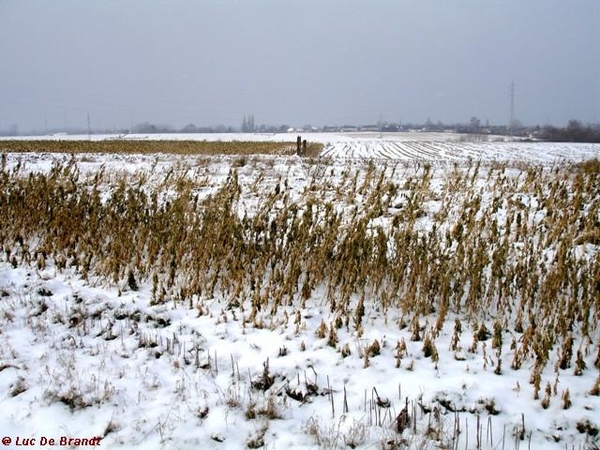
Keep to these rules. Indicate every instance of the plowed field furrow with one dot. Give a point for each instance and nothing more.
(400, 151)
(385, 150)
(539, 152)
(421, 152)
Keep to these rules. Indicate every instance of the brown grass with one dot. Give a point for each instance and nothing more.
(151, 147)
(508, 256)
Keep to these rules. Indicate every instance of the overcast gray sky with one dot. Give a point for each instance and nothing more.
(296, 62)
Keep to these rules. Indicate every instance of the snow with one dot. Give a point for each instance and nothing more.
(405, 146)
(170, 377)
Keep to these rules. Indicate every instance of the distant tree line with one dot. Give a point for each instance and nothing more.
(575, 131)
(248, 126)
(150, 128)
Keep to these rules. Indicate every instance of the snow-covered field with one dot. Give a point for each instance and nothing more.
(453, 151)
(407, 146)
(85, 355)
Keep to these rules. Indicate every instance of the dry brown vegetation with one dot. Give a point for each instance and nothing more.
(151, 147)
(511, 247)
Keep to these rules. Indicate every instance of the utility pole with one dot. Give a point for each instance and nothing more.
(89, 128)
(511, 123)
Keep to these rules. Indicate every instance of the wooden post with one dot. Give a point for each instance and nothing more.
(298, 145)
